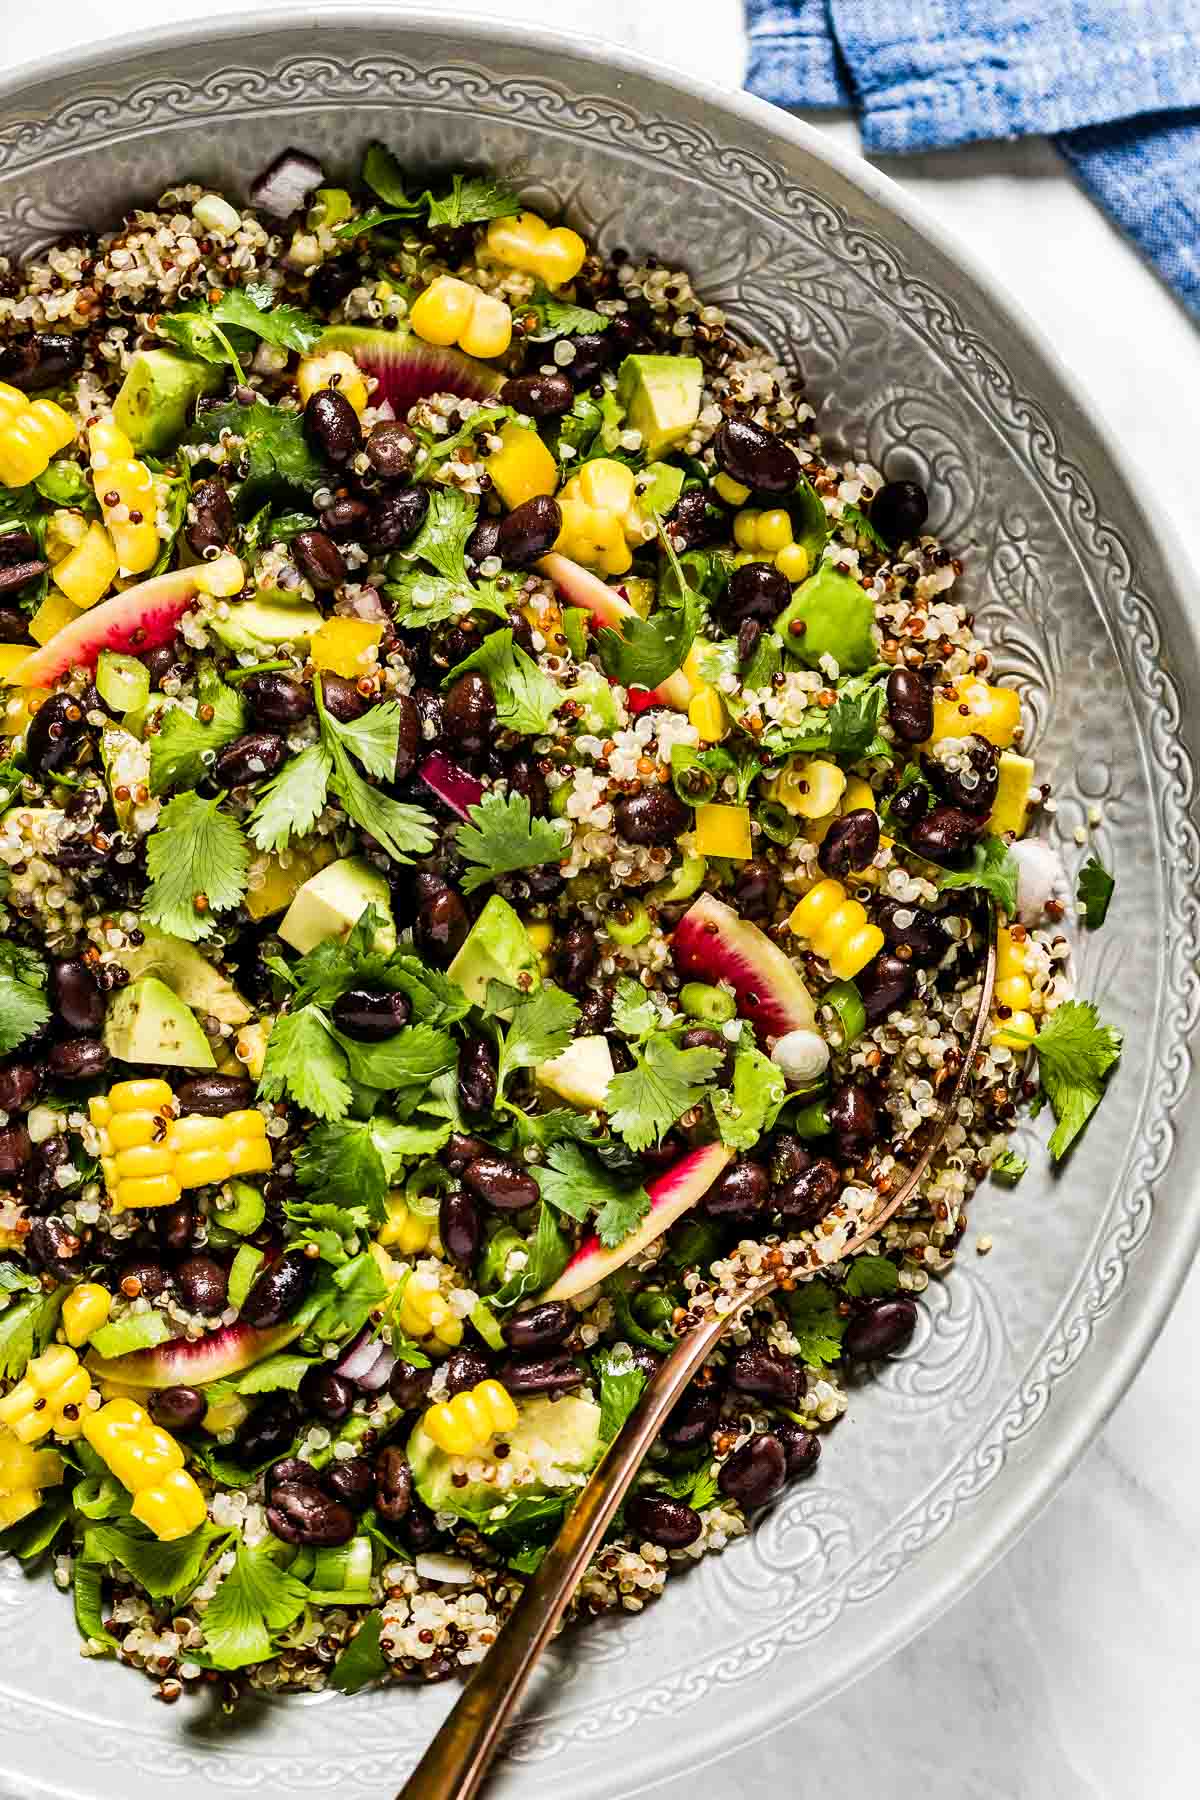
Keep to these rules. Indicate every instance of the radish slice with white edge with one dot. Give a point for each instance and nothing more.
(713, 943)
(606, 606)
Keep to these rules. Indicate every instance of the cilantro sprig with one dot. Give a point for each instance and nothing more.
(580, 1186)
(502, 835)
(183, 741)
(198, 860)
(645, 1101)
(472, 198)
(254, 1600)
(423, 599)
(1076, 1055)
(993, 867)
(1094, 892)
(23, 1006)
(226, 331)
(526, 700)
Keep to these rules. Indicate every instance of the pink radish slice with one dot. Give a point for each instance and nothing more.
(670, 1197)
(140, 619)
(453, 785)
(407, 369)
(191, 1363)
(712, 942)
(606, 606)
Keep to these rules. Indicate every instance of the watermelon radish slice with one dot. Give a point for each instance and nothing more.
(141, 618)
(408, 369)
(452, 785)
(191, 1363)
(606, 607)
(670, 1197)
(713, 943)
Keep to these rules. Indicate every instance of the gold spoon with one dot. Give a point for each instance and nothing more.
(459, 1756)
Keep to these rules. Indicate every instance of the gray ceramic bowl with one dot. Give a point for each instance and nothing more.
(917, 360)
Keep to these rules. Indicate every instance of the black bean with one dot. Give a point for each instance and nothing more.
(43, 360)
(749, 633)
(396, 517)
(541, 1327)
(352, 1481)
(391, 449)
(656, 816)
(805, 1197)
(541, 1374)
(521, 629)
(14, 575)
(441, 924)
(910, 804)
(18, 547)
(50, 1245)
(476, 1077)
(945, 835)
(40, 1190)
(215, 1095)
(276, 699)
(408, 1385)
(153, 1278)
(164, 661)
(210, 517)
(369, 1016)
(203, 1285)
(393, 1485)
(670, 1523)
(460, 1149)
(15, 1149)
(250, 759)
(850, 843)
(524, 777)
(55, 734)
(764, 1373)
(285, 1472)
(540, 396)
(898, 512)
(690, 1422)
(178, 1408)
(269, 1429)
(278, 1290)
(529, 531)
(914, 928)
(593, 352)
(342, 698)
(756, 889)
(460, 1227)
(740, 1191)
(576, 955)
(853, 1121)
(790, 1155)
(345, 517)
(751, 454)
(318, 558)
(883, 1327)
(332, 427)
(463, 1370)
(300, 1513)
(909, 706)
(417, 1529)
(595, 1010)
(79, 1059)
(173, 1226)
(18, 1087)
(469, 718)
(327, 1395)
(76, 999)
(884, 984)
(329, 285)
(756, 1474)
(483, 540)
(408, 737)
(756, 591)
(703, 1037)
(801, 1448)
(972, 785)
(694, 521)
(500, 1183)
(14, 626)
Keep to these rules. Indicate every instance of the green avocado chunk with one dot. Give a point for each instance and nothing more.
(837, 616)
(147, 1023)
(262, 624)
(661, 397)
(189, 975)
(330, 902)
(158, 394)
(497, 948)
(550, 1436)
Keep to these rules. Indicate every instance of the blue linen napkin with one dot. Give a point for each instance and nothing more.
(1115, 82)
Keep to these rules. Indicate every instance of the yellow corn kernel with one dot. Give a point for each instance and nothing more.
(792, 562)
(975, 706)
(54, 612)
(837, 928)
(1010, 809)
(707, 714)
(540, 934)
(1014, 990)
(128, 501)
(147, 1156)
(451, 311)
(808, 787)
(470, 1420)
(85, 1309)
(337, 370)
(346, 647)
(522, 468)
(723, 831)
(148, 1461)
(404, 1229)
(137, 1096)
(527, 243)
(223, 577)
(24, 1472)
(731, 491)
(424, 1313)
(49, 1397)
(31, 432)
(600, 516)
(171, 1508)
(87, 573)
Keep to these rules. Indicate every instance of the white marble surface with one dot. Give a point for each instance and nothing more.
(1072, 1669)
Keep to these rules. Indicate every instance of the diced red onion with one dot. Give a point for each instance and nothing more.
(360, 1357)
(453, 785)
(285, 187)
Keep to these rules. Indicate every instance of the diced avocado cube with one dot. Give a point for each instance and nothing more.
(837, 616)
(664, 484)
(263, 624)
(549, 1436)
(661, 397)
(497, 948)
(189, 975)
(330, 902)
(147, 1023)
(581, 1075)
(160, 390)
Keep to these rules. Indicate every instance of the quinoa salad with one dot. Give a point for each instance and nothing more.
(500, 836)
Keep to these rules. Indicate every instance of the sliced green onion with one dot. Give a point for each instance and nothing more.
(846, 1002)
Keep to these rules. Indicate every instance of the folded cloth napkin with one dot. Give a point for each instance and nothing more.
(1115, 82)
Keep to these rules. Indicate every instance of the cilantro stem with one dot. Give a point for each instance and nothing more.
(229, 350)
(262, 668)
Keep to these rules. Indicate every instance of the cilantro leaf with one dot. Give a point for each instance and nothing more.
(303, 1060)
(1094, 892)
(276, 451)
(752, 1105)
(540, 1028)
(285, 327)
(526, 700)
(442, 539)
(420, 599)
(621, 1384)
(341, 1161)
(816, 1323)
(23, 1010)
(383, 174)
(993, 868)
(373, 740)
(870, 1276)
(22, 964)
(283, 1371)
(362, 1661)
(860, 524)
(854, 722)
(343, 1300)
(557, 318)
(412, 1058)
(644, 1102)
(503, 835)
(256, 1598)
(1075, 1055)
(1009, 1167)
(165, 1570)
(645, 651)
(473, 198)
(183, 739)
(195, 849)
(291, 803)
(403, 831)
(579, 1186)
(634, 1013)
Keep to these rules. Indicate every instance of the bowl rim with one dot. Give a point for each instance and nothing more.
(1178, 1232)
